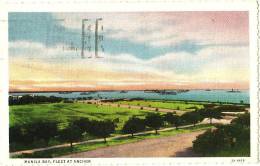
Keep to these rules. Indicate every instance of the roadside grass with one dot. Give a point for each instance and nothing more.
(176, 105)
(110, 142)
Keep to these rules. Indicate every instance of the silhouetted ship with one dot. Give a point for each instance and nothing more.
(87, 93)
(183, 90)
(207, 90)
(123, 91)
(65, 92)
(234, 91)
(164, 92)
(150, 91)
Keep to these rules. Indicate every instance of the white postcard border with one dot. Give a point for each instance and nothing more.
(123, 6)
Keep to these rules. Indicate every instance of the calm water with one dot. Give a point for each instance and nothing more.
(195, 95)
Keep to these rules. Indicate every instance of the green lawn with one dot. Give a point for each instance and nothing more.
(64, 112)
(110, 142)
(177, 105)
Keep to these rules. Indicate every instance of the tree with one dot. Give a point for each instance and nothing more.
(15, 134)
(134, 125)
(211, 113)
(232, 133)
(71, 133)
(192, 117)
(243, 120)
(173, 119)
(84, 124)
(154, 121)
(209, 142)
(102, 128)
(44, 130)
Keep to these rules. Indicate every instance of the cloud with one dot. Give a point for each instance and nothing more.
(224, 63)
(169, 28)
(35, 61)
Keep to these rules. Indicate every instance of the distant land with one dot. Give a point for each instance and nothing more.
(144, 86)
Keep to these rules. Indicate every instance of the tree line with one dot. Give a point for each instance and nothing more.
(29, 99)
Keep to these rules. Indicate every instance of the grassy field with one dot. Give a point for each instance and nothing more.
(176, 105)
(64, 112)
(110, 142)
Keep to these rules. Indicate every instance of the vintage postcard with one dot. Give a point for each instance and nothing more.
(129, 83)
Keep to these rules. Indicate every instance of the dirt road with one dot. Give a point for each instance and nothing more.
(172, 146)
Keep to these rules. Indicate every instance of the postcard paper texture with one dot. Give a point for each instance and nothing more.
(109, 84)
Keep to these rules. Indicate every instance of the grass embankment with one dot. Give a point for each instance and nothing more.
(111, 142)
(175, 105)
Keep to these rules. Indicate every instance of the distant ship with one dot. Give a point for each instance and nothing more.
(150, 91)
(84, 93)
(123, 91)
(164, 92)
(183, 90)
(65, 92)
(87, 93)
(207, 89)
(234, 91)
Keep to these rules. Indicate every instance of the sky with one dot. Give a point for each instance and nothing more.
(142, 50)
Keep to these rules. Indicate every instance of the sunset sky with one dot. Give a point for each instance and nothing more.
(146, 50)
